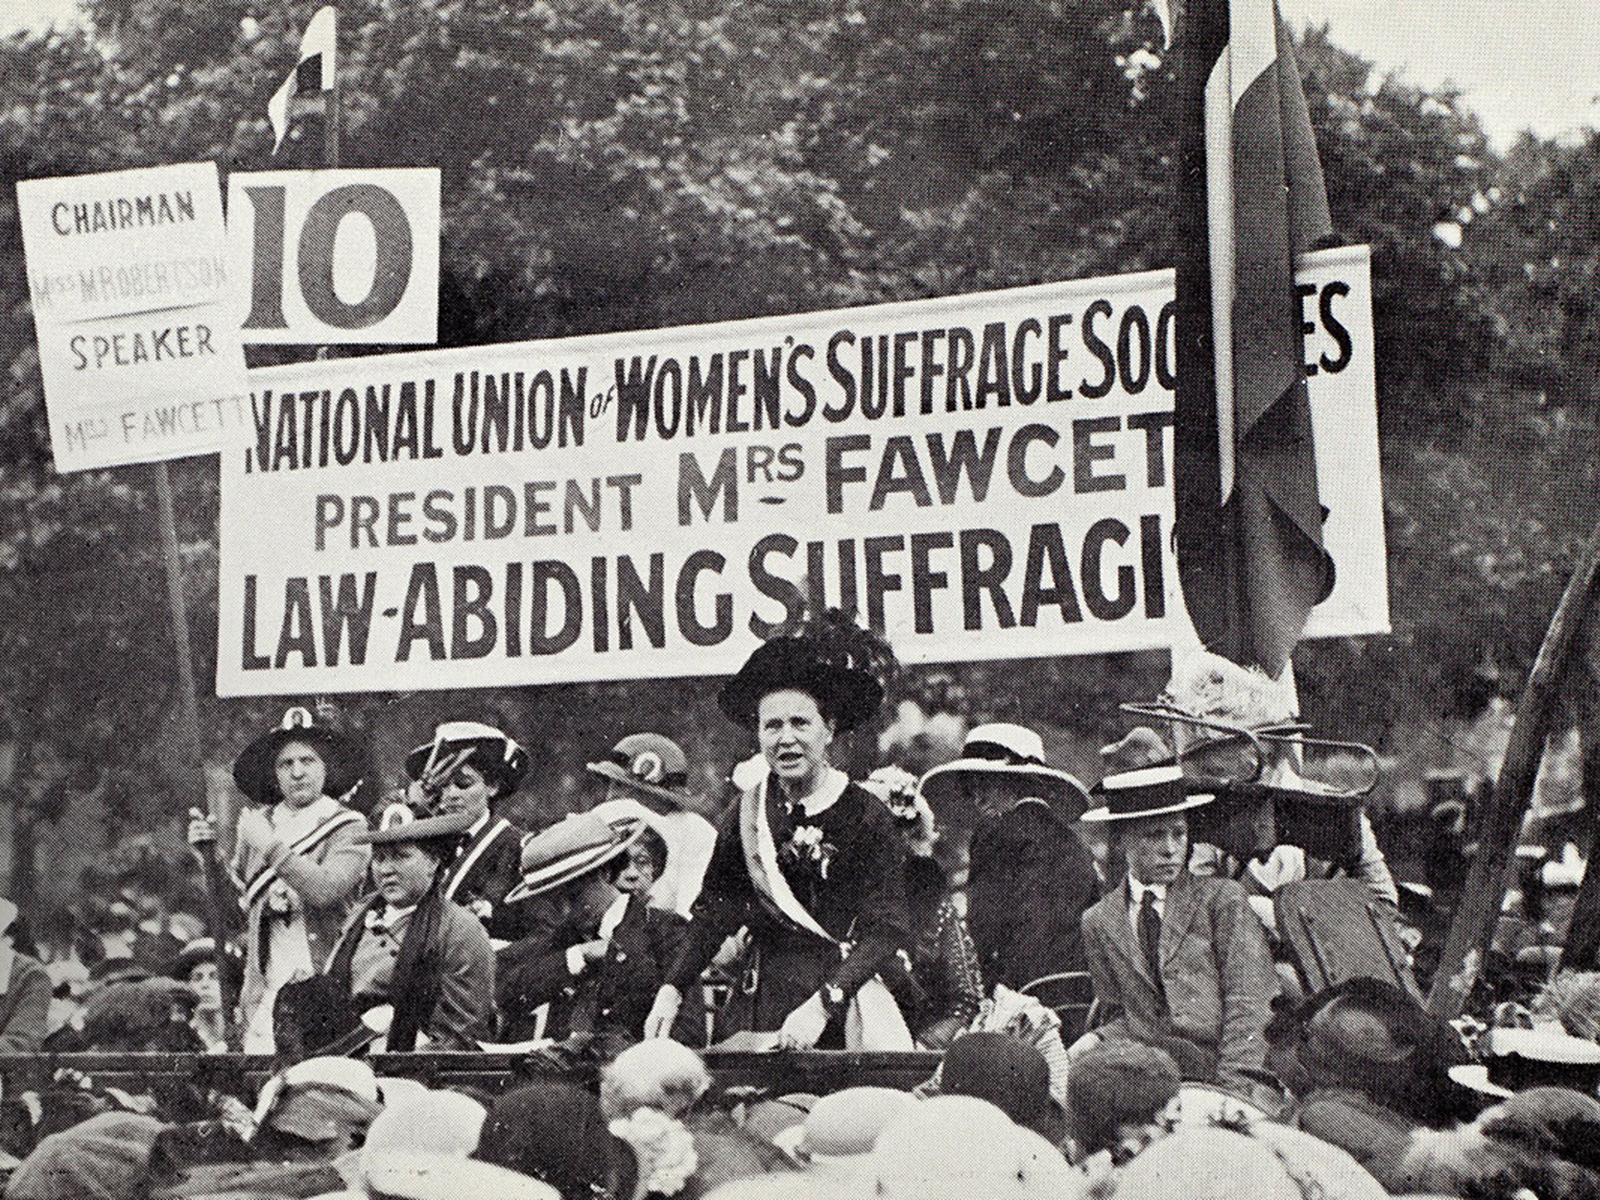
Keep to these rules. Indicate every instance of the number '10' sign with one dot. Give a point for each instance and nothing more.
(336, 256)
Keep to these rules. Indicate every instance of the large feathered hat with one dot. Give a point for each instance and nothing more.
(842, 666)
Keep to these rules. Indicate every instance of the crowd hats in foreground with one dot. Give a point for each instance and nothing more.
(656, 1073)
(320, 1099)
(959, 1147)
(419, 1150)
(838, 1135)
(1515, 1059)
(1008, 1073)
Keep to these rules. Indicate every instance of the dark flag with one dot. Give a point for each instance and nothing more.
(313, 73)
(1250, 198)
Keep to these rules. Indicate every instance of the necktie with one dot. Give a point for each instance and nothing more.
(1150, 934)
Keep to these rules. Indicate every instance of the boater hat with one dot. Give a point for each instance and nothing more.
(255, 768)
(1523, 1058)
(649, 764)
(401, 822)
(1014, 753)
(570, 849)
(838, 678)
(1141, 780)
(491, 750)
(1143, 792)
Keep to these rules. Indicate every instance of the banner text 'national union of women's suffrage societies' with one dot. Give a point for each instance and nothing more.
(980, 477)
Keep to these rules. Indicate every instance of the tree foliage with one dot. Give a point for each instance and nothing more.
(615, 164)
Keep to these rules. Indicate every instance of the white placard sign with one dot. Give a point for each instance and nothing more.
(980, 477)
(129, 281)
(336, 256)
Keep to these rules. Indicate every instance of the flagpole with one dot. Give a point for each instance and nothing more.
(330, 128)
(189, 729)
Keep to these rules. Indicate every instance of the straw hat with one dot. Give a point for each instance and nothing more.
(402, 822)
(650, 764)
(1012, 752)
(839, 1132)
(571, 848)
(959, 1147)
(1515, 1059)
(494, 752)
(1144, 792)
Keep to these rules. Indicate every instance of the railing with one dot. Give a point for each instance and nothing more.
(772, 1072)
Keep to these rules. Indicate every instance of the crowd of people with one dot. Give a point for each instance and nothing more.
(1141, 988)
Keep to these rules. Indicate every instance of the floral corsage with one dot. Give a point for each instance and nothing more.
(663, 1147)
(807, 846)
(898, 789)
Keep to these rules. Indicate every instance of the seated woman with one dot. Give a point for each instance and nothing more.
(600, 949)
(408, 947)
(941, 988)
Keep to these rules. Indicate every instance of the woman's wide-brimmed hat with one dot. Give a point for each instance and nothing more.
(254, 771)
(571, 848)
(839, 678)
(398, 821)
(204, 950)
(1015, 754)
(493, 751)
(1516, 1059)
(649, 764)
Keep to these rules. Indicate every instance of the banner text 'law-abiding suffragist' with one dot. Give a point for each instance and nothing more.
(981, 477)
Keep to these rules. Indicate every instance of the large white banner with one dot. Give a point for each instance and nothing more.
(981, 477)
(138, 346)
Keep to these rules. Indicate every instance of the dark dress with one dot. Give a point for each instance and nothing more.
(941, 989)
(859, 900)
(608, 999)
(481, 876)
(1030, 880)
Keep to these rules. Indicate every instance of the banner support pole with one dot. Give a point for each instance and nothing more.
(189, 728)
(1472, 931)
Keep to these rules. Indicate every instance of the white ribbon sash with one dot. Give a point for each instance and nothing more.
(264, 877)
(469, 860)
(872, 1020)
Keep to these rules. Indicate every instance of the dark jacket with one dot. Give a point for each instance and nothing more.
(460, 967)
(861, 901)
(941, 988)
(1030, 880)
(24, 1007)
(611, 997)
(488, 867)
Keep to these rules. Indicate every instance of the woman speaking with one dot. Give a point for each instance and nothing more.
(807, 861)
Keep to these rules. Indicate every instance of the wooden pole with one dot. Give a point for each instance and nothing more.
(189, 727)
(1581, 946)
(1473, 928)
(330, 128)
